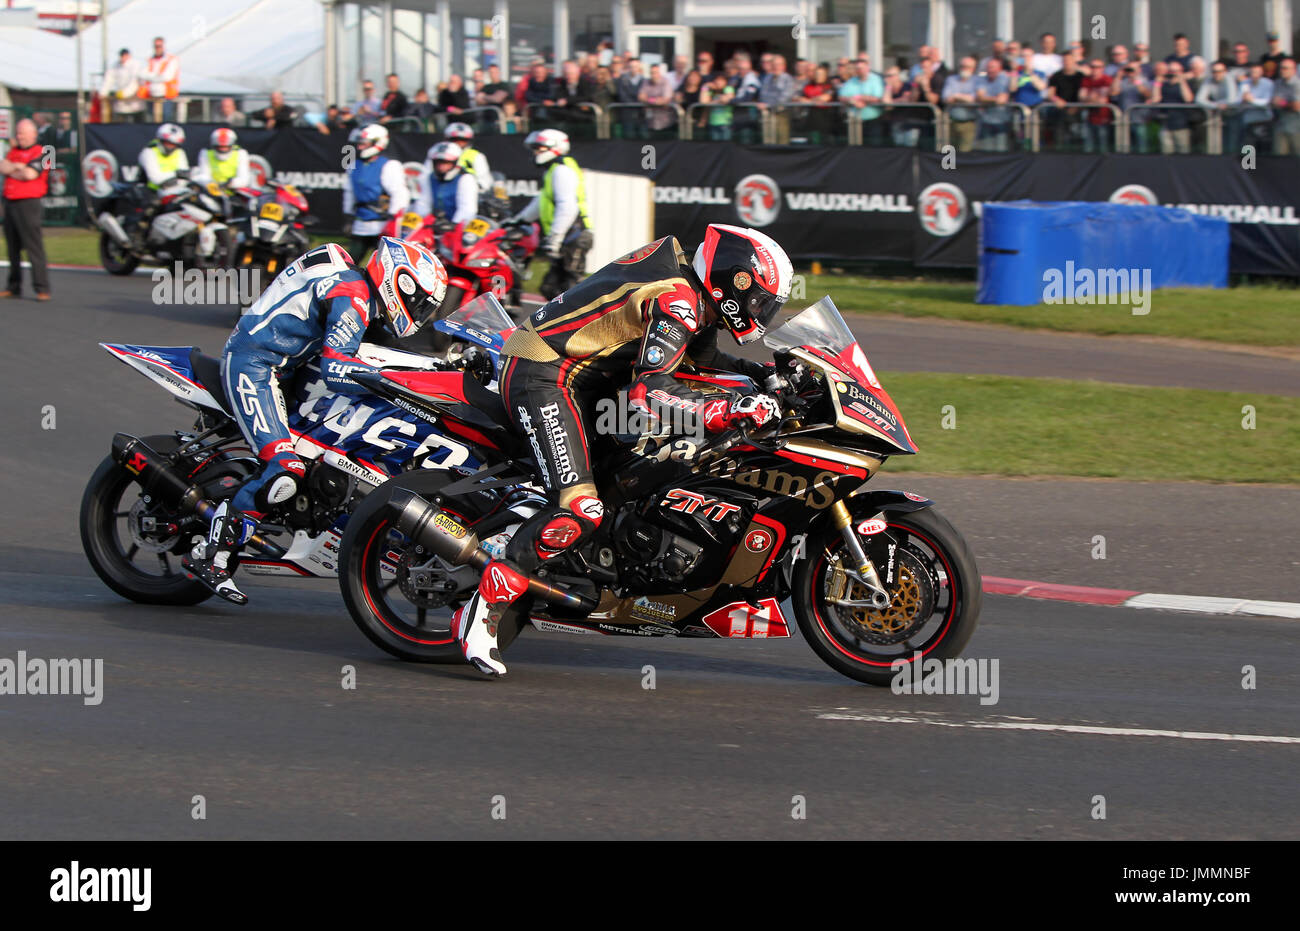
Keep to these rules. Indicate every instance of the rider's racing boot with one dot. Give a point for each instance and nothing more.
(209, 561)
(475, 623)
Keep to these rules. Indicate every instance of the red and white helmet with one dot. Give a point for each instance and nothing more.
(411, 283)
(458, 132)
(372, 140)
(440, 155)
(746, 275)
(170, 135)
(223, 139)
(547, 145)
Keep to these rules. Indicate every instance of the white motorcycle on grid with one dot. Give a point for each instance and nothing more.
(188, 226)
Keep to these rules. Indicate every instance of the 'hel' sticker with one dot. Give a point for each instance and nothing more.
(742, 281)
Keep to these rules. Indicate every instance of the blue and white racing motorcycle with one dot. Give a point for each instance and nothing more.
(152, 497)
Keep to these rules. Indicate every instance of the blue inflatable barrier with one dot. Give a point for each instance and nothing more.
(1035, 252)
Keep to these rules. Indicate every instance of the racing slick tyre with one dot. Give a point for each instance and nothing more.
(134, 544)
(115, 259)
(393, 588)
(935, 597)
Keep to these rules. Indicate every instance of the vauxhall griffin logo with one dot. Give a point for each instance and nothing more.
(942, 209)
(1135, 194)
(260, 170)
(413, 171)
(99, 171)
(758, 200)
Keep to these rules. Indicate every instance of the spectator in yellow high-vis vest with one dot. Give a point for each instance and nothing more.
(561, 209)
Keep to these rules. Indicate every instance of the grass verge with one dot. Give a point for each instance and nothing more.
(1255, 315)
(1047, 426)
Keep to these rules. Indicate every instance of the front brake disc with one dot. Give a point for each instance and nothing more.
(912, 599)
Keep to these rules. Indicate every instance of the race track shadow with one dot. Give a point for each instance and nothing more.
(305, 621)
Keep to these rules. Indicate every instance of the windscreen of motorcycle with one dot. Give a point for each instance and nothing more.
(482, 320)
(819, 336)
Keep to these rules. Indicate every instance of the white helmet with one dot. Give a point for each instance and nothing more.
(372, 140)
(458, 132)
(223, 138)
(445, 152)
(547, 145)
(170, 134)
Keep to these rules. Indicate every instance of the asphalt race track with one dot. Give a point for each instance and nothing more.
(245, 706)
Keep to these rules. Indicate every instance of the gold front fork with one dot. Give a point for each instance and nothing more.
(867, 574)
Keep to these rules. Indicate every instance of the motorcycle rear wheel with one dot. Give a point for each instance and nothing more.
(115, 553)
(375, 594)
(936, 598)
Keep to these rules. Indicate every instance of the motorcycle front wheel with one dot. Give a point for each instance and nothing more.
(935, 603)
(116, 259)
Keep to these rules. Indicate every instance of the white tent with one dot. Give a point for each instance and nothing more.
(37, 60)
(264, 45)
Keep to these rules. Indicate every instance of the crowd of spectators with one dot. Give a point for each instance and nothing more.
(1166, 101)
(985, 98)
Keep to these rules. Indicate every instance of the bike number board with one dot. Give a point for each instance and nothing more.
(272, 212)
(477, 227)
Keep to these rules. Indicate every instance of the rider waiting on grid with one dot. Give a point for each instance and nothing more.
(223, 162)
(447, 189)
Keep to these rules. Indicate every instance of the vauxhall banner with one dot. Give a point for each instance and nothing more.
(1261, 203)
(832, 203)
(823, 203)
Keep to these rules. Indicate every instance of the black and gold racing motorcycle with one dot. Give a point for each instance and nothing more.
(700, 539)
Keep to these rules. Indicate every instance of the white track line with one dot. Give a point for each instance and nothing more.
(1030, 725)
(1206, 605)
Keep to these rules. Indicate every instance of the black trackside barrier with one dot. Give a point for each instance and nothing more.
(845, 203)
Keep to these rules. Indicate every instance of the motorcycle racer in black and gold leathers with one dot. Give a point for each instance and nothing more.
(635, 320)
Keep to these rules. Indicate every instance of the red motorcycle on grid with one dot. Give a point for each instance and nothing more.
(480, 255)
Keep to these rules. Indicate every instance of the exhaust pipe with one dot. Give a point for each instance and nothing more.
(157, 477)
(108, 223)
(446, 537)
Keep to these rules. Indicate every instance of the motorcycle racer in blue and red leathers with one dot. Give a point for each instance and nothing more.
(634, 321)
(319, 307)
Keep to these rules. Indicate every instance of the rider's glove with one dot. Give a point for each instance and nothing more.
(755, 410)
